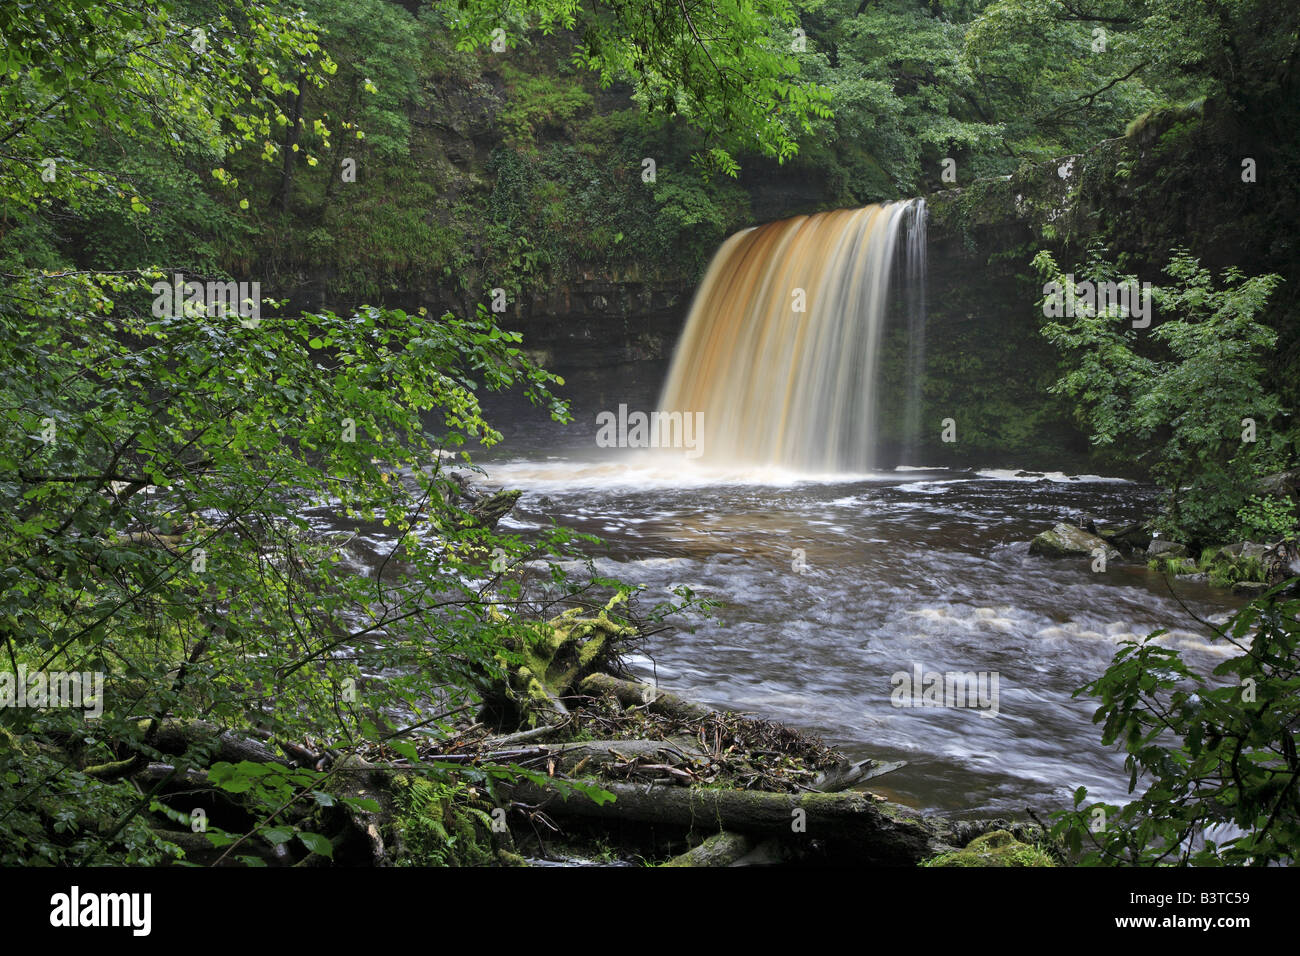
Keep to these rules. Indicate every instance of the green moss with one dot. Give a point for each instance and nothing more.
(559, 654)
(536, 104)
(998, 848)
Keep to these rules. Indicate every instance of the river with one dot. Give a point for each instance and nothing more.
(906, 568)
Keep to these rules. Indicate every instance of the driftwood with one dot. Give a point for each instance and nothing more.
(636, 694)
(601, 752)
(486, 512)
(849, 823)
(743, 827)
(849, 774)
(525, 736)
(179, 736)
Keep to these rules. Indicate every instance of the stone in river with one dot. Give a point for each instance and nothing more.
(1067, 540)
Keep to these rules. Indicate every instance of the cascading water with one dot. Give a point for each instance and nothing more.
(783, 341)
(914, 267)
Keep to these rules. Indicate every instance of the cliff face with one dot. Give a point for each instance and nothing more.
(1176, 179)
(502, 205)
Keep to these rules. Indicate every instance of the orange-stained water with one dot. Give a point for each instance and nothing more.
(782, 344)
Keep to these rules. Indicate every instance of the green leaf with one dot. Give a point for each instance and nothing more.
(317, 844)
(278, 835)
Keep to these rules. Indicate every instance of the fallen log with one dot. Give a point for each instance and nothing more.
(156, 773)
(848, 824)
(636, 694)
(178, 736)
(524, 736)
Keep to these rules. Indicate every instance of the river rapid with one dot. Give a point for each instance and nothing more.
(833, 585)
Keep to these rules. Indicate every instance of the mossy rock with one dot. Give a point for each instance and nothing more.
(1235, 564)
(1169, 550)
(998, 848)
(1067, 540)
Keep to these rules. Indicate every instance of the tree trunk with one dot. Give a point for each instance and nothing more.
(290, 141)
(635, 694)
(846, 824)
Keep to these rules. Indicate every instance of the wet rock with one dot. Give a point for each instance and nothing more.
(1250, 588)
(1254, 550)
(1282, 561)
(1283, 484)
(1126, 537)
(1229, 551)
(1159, 548)
(1245, 562)
(1067, 540)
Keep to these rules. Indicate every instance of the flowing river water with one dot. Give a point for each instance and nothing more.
(906, 568)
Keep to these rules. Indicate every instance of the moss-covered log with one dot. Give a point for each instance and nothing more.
(634, 694)
(179, 736)
(850, 825)
(998, 848)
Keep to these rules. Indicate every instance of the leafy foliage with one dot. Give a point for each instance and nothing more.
(725, 66)
(1182, 396)
(166, 466)
(1217, 758)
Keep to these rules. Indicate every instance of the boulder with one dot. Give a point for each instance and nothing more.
(1245, 561)
(1067, 540)
(1229, 552)
(1283, 484)
(1282, 561)
(1250, 588)
(1160, 548)
(1126, 537)
(1255, 550)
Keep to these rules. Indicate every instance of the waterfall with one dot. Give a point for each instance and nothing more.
(782, 344)
(914, 278)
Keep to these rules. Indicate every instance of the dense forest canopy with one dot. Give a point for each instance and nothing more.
(871, 98)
